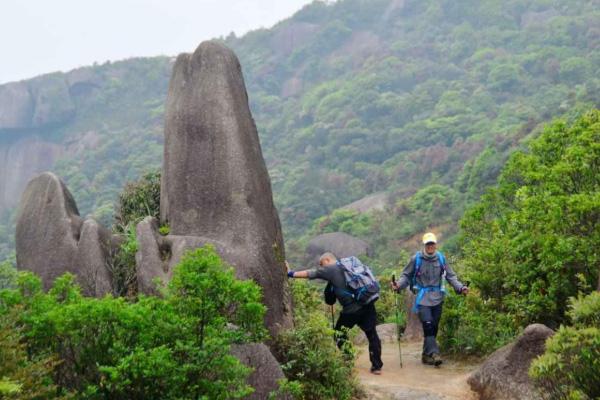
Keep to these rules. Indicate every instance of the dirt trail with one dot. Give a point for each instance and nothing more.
(415, 380)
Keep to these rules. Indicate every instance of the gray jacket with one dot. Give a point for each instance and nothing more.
(430, 274)
(335, 275)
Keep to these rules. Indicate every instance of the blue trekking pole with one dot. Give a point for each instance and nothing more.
(398, 329)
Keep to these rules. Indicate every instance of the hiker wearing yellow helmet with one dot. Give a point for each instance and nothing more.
(425, 274)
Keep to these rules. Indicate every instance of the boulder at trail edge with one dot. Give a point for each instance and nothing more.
(505, 374)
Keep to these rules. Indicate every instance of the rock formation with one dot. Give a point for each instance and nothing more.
(341, 244)
(504, 375)
(40, 102)
(52, 239)
(215, 186)
(267, 370)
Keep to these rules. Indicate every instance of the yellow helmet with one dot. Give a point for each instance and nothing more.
(429, 237)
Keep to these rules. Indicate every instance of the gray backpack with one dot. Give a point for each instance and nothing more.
(360, 281)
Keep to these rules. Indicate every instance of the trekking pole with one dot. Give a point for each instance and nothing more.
(398, 330)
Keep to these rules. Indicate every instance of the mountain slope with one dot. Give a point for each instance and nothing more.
(421, 99)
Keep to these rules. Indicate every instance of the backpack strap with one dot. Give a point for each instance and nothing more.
(442, 260)
(423, 290)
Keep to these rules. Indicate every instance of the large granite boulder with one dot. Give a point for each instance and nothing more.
(267, 370)
(51, 237)
(340, 243)
(504, 375)
(215, 183)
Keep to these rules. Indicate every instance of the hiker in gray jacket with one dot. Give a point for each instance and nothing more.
(425, 274)
(353, 313)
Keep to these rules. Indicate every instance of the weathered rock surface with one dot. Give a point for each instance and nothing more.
(341, 244)
(93, 251)
(52, 239)
(215, 183)
(40, 102)
(504, 375)
(53, 104)
(267, 370)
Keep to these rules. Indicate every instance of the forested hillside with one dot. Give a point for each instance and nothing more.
(422, 100)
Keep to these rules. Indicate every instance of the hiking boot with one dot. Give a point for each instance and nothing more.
(437, 359)
(425, 359)
(376, 371)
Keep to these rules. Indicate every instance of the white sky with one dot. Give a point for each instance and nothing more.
(41, 36)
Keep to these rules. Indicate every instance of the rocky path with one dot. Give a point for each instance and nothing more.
(414, 381)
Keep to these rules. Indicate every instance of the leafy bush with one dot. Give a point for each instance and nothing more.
(570, 367)
(122, 264)
(470, 326)
(8, 275)
(176, 347)
(312, 359)
(23, 378)
(530, 244)
(138, 200)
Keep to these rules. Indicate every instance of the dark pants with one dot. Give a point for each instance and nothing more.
(366, 319)
(430, 318)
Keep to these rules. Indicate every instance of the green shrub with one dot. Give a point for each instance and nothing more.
(531, 243)
(122, 264)
(570, 367)
(8, 275)
(470, 326)
(312, 359)
(22, 377)
(138, 200)
(173, 347)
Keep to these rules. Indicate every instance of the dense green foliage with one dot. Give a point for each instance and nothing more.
(311, 358)
(570, 368)
(8, 275)
(470, 328)
(174, 347)
(22, 378)
(531, 243)
(138, 200)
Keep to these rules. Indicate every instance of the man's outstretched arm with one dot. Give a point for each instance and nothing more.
(296, 274)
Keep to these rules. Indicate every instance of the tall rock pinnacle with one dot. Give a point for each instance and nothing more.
(215, 184)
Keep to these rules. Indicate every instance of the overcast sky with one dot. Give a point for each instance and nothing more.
(40, 36)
